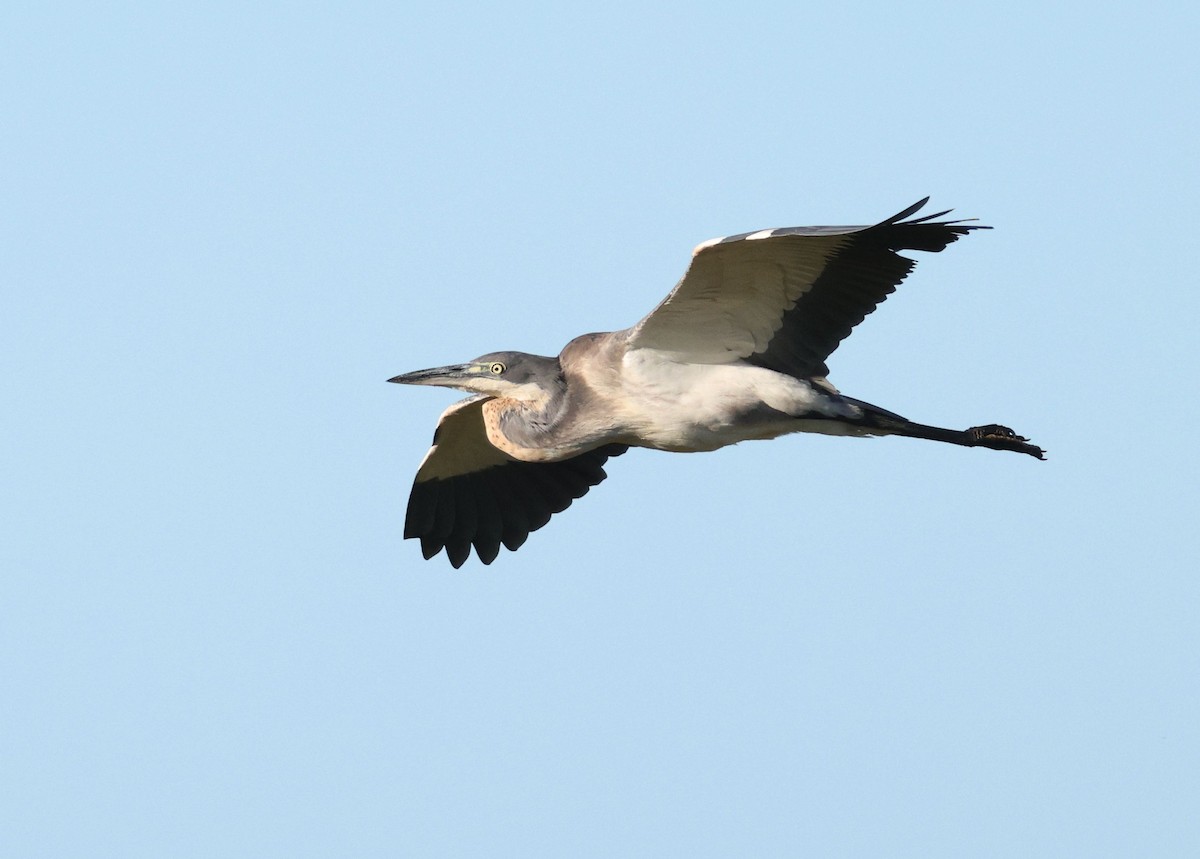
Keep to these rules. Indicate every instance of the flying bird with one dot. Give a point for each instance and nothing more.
(736, 351)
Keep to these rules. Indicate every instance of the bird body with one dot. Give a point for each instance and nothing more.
(735, 352)
(685, 407)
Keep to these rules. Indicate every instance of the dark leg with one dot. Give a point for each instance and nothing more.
(992, 436)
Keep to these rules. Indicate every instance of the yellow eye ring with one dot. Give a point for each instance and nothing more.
(497, 368)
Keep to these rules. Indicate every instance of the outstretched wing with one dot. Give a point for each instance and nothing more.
(468, 493)
(785, 298)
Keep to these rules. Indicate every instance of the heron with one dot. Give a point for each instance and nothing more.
(735, 352)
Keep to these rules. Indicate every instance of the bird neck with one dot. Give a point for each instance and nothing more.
(529, 431)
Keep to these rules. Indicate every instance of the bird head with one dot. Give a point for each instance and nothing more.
(515, 375)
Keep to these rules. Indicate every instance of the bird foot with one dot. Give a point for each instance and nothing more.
(995, 431)
(1000, 437)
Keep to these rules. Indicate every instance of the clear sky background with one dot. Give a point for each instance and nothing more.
(226, 224)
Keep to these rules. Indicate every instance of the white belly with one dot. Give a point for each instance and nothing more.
(684, 407)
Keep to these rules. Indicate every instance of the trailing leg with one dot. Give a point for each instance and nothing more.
(993, 436)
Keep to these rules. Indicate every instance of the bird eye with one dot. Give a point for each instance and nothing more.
(497, 368)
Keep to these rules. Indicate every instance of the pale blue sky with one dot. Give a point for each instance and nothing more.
(225, 226)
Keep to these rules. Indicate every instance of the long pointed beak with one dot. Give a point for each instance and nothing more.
(450, 375)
